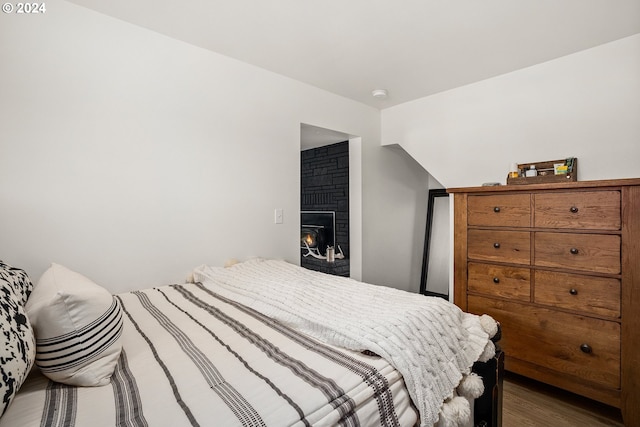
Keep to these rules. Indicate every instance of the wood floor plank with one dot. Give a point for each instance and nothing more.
(528, 403)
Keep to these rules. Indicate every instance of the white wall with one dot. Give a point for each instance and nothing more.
(585, 105)
(395, 217)
(132, 157)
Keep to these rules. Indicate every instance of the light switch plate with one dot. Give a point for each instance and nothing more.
(278, 216)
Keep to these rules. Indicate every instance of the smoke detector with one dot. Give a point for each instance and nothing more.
(379, 93)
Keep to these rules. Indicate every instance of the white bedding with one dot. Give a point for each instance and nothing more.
(191, 357)
(431, 342)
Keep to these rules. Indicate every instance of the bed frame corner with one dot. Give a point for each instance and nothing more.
(487, 410)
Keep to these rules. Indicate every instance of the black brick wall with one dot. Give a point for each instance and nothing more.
(325, 187)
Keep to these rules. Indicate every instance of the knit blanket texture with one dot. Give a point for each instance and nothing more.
(430, 341)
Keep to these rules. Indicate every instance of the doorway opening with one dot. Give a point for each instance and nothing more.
(326, 180)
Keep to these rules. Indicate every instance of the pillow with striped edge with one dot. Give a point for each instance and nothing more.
(17, 342)
(78, 325)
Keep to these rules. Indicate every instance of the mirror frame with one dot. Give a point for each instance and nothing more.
(438, 192)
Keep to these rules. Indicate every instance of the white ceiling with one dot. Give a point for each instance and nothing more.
(411, 48)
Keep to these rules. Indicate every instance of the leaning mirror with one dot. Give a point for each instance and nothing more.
(437, 246)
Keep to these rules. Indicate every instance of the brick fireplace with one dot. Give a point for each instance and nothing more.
(325, 188)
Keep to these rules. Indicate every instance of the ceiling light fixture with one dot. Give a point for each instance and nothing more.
(379, 93)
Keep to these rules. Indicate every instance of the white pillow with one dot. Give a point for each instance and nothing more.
(77, 325)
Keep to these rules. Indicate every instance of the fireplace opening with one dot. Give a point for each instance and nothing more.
(313, 237)
(317, 230)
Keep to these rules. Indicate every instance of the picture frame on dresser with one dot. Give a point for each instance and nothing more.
(559, 267)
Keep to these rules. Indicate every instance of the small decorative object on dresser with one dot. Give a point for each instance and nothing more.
(546, 172)
(558, 265)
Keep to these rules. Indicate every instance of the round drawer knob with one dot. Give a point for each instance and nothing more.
(574, 251)
(573, 291)
(586, 348)
(496, 209)
(496, 280)
(574, 209)
(496, 245)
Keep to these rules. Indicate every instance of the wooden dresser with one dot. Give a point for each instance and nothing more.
(558, 265)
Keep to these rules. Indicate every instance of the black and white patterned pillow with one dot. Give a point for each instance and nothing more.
(16, 334)
(18, 279)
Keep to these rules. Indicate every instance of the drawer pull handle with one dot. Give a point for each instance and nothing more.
(574, 209)
(573, 291)
(496, 209)
(496, 245)
(574, 251)
(586, 348)
(496, 280)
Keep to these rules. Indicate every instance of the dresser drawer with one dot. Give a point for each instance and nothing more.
(586, 252)
(583, 347)
(495, 245)
(501, 281)
(597, 210)
(588, 294)
(512, 210)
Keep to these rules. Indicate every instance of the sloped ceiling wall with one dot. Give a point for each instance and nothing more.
(584, 105)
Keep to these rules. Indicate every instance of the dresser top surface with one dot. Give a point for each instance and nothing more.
(553, 186)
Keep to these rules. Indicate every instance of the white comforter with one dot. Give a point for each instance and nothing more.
(431, 342)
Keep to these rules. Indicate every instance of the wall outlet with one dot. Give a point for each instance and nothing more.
(278, 216)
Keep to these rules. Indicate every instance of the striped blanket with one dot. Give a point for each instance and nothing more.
(192, 357)
(430, 341)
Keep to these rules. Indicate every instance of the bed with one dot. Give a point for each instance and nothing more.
(260, 343)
